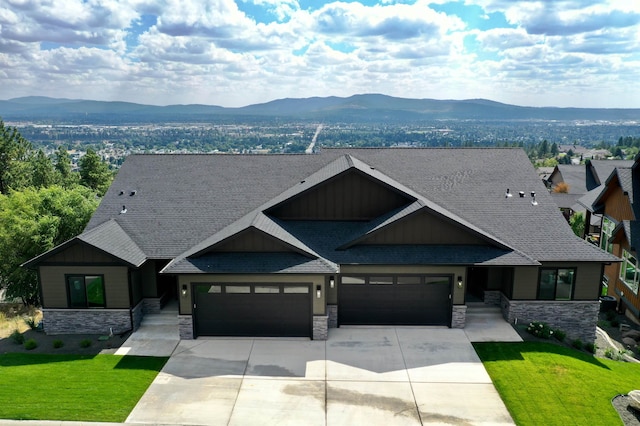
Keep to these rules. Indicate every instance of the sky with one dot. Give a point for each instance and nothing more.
(564, 53)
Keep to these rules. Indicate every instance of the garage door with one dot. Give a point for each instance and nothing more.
(252, 310)
(395, 300)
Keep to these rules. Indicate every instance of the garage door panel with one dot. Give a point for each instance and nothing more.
(427, 303)
(252, 314)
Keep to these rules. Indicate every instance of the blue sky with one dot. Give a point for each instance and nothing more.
(580, 53)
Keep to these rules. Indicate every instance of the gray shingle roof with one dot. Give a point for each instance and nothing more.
(183, 202)
(575, 177)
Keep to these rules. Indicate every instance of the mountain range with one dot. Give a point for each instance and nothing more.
(358, 108)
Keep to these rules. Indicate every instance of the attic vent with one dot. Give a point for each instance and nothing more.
(121, 192)
(521, 193)
(132, 193)
(508, 194)
(124, 210)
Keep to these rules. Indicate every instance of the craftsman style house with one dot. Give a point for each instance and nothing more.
(292, 245)
(618, 204)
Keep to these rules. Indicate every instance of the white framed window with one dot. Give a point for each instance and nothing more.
(607, 231)
(629, 271)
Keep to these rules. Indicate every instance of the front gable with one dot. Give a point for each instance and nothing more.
(423, 228)
(350, 196)
(79, 252)
(251, 240)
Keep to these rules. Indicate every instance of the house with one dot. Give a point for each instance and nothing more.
(618, 205)
(291, 245)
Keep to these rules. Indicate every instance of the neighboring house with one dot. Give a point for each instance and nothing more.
(291, 245)
(618, 204)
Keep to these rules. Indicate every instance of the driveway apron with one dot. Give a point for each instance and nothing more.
(374, 376)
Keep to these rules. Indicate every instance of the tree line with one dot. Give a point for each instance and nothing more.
(43, 202)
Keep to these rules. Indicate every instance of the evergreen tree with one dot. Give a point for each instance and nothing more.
(14, 159)
(94, 173)
(42, 169)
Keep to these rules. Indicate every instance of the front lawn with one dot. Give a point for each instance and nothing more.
(548, 384)
(101, 388)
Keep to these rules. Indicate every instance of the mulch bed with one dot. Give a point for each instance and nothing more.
(71, 344)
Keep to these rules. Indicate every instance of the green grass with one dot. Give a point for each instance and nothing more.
(548, 384)
(101, 388)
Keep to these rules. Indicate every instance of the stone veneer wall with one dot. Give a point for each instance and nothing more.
(575, 317)
(86, 321)
(458, 316)
(492, 297)
(137, 313)
(152, 305)
(185, 327)
(332, 312)
(320, 327)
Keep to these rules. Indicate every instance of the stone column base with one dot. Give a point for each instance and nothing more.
(185, 327)
(86, 321)
(320, 327)
(332, 312)
(459, 316)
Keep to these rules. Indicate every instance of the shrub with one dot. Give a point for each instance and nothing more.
(540, 329)
(31, 322)
(58, 343)
(30, 344)
(559, 334)
(609, 353)
(615, 322)
(610, 314)
(17, 337)
(577, 343)
(85, 343)
(590, 347)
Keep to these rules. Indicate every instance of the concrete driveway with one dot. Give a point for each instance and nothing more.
(374, 376)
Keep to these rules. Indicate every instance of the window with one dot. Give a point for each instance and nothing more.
(629, 272)
(86, 291)
(556, 283)
(607, 231)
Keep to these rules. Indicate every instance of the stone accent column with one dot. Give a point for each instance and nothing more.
(185, 327)
(152, 305)
(492, 297)
(577, 318)
(137, 313)
(459, 316)
(332, 312)
(86, 321)
(320, 327)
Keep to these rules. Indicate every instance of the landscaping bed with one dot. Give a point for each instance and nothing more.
(16, 319)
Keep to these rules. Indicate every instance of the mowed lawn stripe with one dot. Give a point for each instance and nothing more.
(101, 388)
(544, 383)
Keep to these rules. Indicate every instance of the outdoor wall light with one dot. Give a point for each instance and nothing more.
(184, 290)
(459, 281)
(318, 291)
(332, 282)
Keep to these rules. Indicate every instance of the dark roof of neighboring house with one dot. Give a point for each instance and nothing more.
(566, 201)
(574, 176)
(600, 170)
(179, 206)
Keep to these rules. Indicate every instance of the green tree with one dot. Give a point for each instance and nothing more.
(14, 159)
(65, 176)
(577, 224)
(94, 173)
(33, 221)
(42, 170)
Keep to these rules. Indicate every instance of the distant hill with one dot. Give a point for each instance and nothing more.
(357, 108)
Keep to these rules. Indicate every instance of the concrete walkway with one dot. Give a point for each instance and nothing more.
(378, 376)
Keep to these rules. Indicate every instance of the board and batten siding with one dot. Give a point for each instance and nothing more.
(80, 253)
(54, 287)
(312, 280)
(423, 228)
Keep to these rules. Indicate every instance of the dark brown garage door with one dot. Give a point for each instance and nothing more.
(252, 310)
(395, 300)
